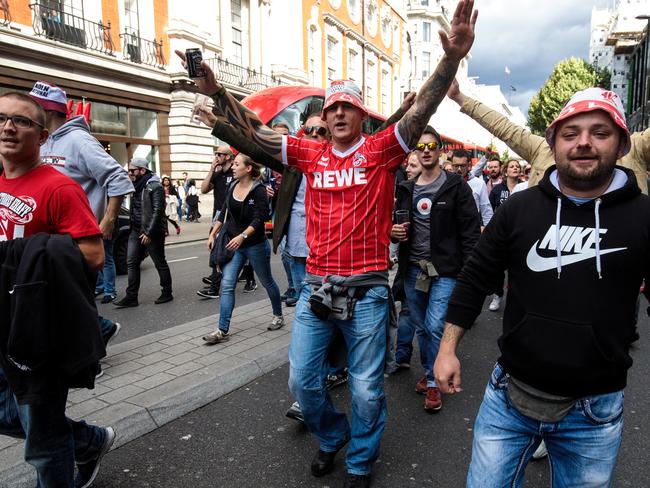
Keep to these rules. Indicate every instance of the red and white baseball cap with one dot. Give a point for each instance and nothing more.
(49, 96)
(593, 99)
(343, 91)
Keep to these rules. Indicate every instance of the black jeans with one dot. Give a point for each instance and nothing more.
(135, 255)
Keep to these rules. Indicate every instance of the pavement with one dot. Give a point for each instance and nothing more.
(156, 378)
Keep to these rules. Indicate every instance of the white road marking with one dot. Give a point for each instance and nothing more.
(181, 259)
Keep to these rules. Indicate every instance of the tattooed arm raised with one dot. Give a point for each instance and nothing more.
(456, 46)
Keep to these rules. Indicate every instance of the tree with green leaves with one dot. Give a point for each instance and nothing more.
(569, 76)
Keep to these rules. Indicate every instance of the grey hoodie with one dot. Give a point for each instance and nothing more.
(76, 153)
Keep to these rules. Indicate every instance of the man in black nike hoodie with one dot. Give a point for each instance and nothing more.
(576, 248)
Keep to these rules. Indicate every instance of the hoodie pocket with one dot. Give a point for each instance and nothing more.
(560, 346)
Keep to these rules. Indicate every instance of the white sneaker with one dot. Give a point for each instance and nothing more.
(541, 451)
(495, 303)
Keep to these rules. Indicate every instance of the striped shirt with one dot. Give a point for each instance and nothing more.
(349, 200)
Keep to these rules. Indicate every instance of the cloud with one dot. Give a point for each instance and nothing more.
(530, 37)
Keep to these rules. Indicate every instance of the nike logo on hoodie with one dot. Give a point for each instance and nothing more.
(577, 244)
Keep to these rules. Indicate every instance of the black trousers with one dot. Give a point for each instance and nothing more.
(135, 255)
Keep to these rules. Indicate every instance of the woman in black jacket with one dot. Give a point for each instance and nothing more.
(242, 216)
(501, 192)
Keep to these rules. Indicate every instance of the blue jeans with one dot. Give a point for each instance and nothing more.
(427, 313)
(365, 337)
(286, 263)
(106, 277)
(298, 268)
(53, 442)
(405, 334)
(259, 256)
(582, 447)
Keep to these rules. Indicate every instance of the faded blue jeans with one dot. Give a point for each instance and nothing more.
(106, 277)
(53, 442)
(427, 313)
(365, 337)
(582, 447)
(259, 255)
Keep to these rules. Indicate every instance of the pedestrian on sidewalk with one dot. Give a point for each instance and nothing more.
(577, 249)
(242, 218)
(171, 205)
(34, 385)
(349, 202)
(147, 233)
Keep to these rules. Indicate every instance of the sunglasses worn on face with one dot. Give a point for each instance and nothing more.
(321, 131)
(19, 121)
(221, 154)
(431, 146)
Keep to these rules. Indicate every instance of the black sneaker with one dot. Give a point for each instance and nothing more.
(206, 280)
(288, 294)
(291, 302)
(108, 299)
(111, 334)
(126, 302)
(87, 472)
(100, 371)
(295, 413)
(337, 379)
(164, 298)
(207, 294)
(250, 287)
(357, 481)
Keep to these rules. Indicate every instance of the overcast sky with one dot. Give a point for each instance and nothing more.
(530, 37)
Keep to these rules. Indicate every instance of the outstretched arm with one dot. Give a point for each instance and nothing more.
(456, 46)
(241, 118)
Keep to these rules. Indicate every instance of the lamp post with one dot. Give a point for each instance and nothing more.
(644, 64)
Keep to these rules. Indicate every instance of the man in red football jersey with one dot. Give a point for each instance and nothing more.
(349, 201)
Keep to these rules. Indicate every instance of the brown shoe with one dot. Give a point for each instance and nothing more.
(433, 400)
(421, 386)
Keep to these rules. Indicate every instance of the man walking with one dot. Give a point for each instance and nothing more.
(493, 177)
(576, 248)
(441, 233)
(460, 162)
(35, 199)
(147, 233)
(349, 198)
(217, 179)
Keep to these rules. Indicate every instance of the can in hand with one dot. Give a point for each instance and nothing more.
(193, 58)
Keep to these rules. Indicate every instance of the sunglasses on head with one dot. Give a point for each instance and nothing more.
(321, 131)
(431, 146)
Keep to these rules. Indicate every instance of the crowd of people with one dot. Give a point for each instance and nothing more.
(571, 250)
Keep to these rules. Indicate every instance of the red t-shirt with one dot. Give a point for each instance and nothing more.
(44, 200)
(349, 200)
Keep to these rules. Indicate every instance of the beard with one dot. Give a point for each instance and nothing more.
(585, 179)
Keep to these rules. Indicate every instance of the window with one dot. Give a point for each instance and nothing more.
(426, 31)
(352, 64)
(615, 86)
(312, 55)
(426, 64)
(235, 17)
(371, 82)
(424, 3)
(143, 123)
(62, 20)
(132, 17)
(385, 92)
(108, 119)
(331, 59)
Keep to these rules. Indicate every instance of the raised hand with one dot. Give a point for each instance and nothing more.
(455, 94)
(408, 101)
(461, 37)
(208, 84)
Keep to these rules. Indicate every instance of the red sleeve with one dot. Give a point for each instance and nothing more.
(300, 152)
(70, 212)
(388, 147)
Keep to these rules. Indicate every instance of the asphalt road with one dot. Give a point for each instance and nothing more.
(188, 263)
(244, 440)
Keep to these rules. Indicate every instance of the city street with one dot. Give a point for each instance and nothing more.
(188, 263)
(244, 440)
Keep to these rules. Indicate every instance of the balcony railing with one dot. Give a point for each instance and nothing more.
(236, 75)
(5, 14)
(68, 28)
(142, 51)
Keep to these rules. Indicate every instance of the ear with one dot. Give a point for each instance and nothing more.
(42, 137)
